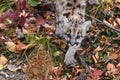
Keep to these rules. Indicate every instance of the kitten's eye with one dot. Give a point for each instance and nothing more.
(78, 37)
(69, 34)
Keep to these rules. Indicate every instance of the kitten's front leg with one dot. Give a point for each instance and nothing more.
(69, 56)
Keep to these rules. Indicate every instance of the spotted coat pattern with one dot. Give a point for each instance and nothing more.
(71, 25)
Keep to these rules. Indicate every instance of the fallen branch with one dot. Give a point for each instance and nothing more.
(109, 26)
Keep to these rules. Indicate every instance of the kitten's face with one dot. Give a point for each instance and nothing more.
(75, 35)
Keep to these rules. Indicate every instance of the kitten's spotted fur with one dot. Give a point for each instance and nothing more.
(71, 25)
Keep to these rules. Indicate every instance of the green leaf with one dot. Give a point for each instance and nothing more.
(118, 12)
(105, 58)
(96, 45)
(33, 2)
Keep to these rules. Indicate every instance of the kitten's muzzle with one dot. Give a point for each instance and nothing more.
(72, 43)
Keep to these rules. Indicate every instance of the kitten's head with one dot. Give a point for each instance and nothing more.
(75, 35)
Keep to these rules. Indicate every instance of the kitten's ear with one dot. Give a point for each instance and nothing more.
(85, 28)
(87, 25)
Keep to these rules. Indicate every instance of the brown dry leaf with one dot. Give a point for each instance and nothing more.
(99, 48)
(39, 62)
(49, 26)
(61, 43)
(20, 45)
(92, 28)
(118, 66)
(110, 66)
(111, 20)
(113, 55)
(104, 40)
(10, 46)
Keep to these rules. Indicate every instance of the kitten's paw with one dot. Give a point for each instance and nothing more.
(70, 60)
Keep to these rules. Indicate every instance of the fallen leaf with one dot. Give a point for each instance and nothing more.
(68, 75)
(97, 56)
(111, 20)
(74, 78)
(113, 55)
(8, 14)
(118, 1)
(3, 60)
(20, 45)
(29, 46)
(104, 40)
(118, 20)
(99, 48)
(41, 21)
(10, 46)
(108, 1)
(49, 26)
(118, 66)
(94, 58)
(110, 66)
(2, 67)
(25, 31)
(96, 74)
(2, 26)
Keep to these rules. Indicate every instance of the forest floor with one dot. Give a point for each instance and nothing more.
(29, 49)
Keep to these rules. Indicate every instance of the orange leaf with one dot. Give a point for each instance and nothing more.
(110, 66)
(113, 55)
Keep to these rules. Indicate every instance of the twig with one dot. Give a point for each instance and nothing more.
(109, 26)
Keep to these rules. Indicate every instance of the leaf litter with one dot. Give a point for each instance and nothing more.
(34, 52)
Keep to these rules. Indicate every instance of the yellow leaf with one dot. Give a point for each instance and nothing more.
(109, 1)
(10, 46)
(3, 60)
(68, 75)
